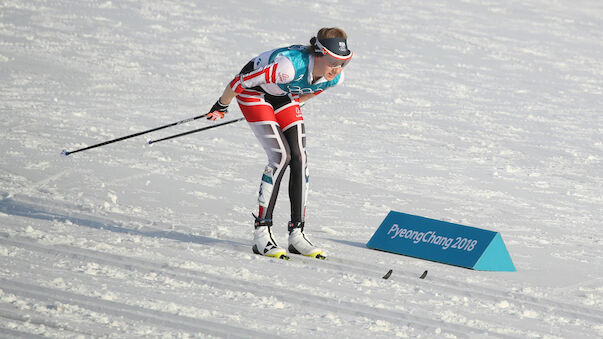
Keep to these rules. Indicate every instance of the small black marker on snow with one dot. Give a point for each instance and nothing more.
(423, 275)
(388, 274)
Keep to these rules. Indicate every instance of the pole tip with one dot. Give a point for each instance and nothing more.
(65, 153)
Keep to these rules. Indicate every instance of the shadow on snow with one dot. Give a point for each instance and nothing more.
(23, 209)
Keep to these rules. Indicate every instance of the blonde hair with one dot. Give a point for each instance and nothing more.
(326, 33)
(331, 32)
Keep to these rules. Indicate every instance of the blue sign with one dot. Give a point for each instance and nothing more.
(442, 241)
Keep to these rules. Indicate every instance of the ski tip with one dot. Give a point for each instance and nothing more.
(423, 275)
(388, 274)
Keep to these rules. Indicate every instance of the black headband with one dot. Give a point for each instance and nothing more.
(337, 46)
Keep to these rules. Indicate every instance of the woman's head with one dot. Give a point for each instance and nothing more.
(331, 52)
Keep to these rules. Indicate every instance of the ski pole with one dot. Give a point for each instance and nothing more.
(196, 130)
(66, 153)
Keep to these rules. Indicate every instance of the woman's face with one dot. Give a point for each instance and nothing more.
(323, 67)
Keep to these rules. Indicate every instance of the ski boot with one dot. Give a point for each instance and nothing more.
(299, 243)
(264, 243)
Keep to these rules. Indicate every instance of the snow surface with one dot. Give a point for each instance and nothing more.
(486, 113)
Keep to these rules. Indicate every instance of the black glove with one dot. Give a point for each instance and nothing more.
(217, 111)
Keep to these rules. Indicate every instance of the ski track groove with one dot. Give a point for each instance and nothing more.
(18, 334)
(182, 274)
(136, 313)
(36, 320)
(352, 308)
(335, 264)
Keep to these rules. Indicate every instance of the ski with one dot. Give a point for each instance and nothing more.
(318, 256)
(287, 257)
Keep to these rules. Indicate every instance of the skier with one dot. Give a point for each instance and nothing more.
(269, 91)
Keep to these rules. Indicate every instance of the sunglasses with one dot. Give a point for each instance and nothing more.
(336, 63)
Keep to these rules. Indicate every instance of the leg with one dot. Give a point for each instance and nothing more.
(298, 179)
(279, 155)
(290, 119)
(295, 134)
(272, 139)
(261, 119)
